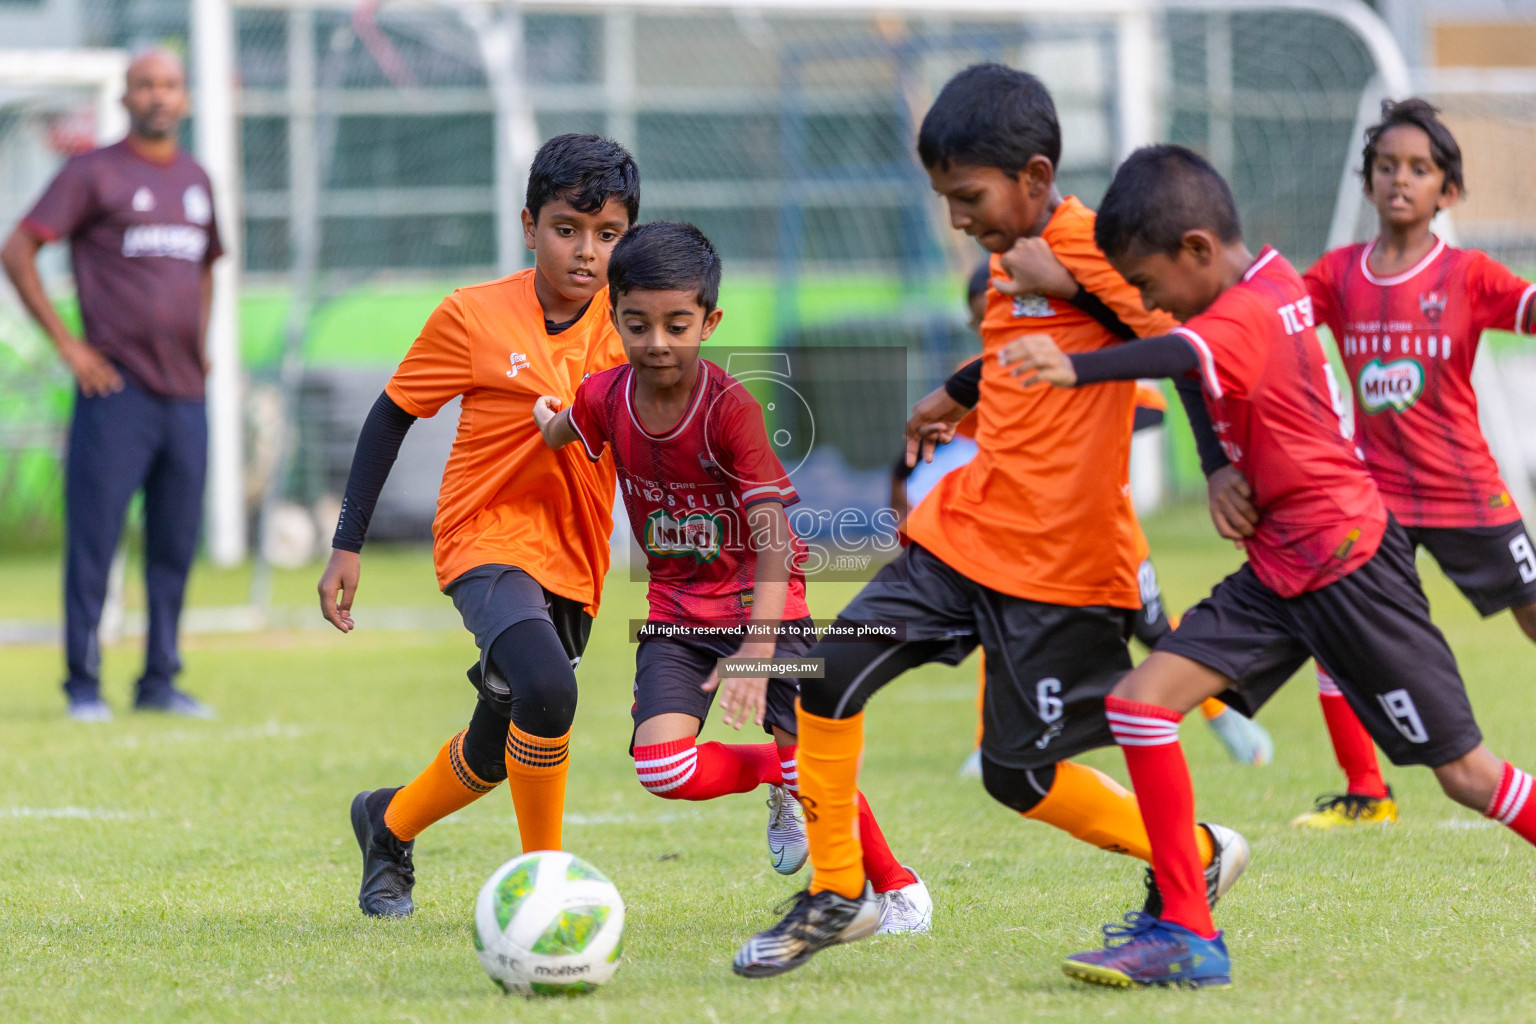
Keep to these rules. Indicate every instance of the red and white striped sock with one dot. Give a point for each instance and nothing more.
(789, 770)
(1149, 737)
(1352, 745)
(1512, 804)
(687, 770)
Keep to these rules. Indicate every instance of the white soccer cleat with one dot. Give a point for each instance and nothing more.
(1221, 874)
(787, 845)
(908, 910)
(1229, 863)
(971, 769)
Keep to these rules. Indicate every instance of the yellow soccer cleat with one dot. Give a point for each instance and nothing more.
(1345, 809)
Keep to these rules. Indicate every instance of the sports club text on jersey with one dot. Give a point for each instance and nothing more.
(688, 519)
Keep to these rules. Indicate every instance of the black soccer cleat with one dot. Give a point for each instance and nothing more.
(813, 923)
(1226, 866)
(388, 873)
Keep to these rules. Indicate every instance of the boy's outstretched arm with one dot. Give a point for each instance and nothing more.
(554, 422)
(377, 446)
(1035, 357)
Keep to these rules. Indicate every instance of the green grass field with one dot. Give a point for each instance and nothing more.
(165, 870)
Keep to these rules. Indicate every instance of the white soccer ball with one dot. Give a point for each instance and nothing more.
(549, 923)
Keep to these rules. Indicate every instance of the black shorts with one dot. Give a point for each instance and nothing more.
(493, 598)
(1373, 632)
(1048, 666)
(1494, 566)
(669, 673)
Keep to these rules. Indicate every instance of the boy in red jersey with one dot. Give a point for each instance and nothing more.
(520, 541)
(1407, 312)
(706, 497)
(1330, 574)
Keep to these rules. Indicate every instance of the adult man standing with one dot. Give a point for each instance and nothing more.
(139, 218)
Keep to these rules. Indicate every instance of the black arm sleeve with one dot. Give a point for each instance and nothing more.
(1212, 457)
(1094, 306)
(377, 446)
(1166, 355)
(964, 385)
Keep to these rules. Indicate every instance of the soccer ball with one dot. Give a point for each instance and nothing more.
(548, 923)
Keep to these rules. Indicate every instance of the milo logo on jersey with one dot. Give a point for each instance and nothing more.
(1396, 385)
(699, 534)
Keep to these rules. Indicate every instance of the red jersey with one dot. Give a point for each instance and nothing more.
(1408, 342)
(687, 492)
(1275, 406)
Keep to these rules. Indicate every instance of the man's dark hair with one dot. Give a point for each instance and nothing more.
(586, 171)
(990, 115)
(1425, 116)
(980, 279)
(665, 256)
(1158, 194)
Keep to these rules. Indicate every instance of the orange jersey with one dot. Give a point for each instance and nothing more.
(1044, 510)
(506, 498)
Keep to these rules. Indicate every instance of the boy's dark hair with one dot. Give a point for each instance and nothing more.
(981, 279)
(586, 171)
(1158, 194)
(665, 256)
(990, 115)
(1425, 116)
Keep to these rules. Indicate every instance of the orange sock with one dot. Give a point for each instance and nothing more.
(1091, 806)
(446, 785)
(1212, 708)
(536, 767)
(828, 756)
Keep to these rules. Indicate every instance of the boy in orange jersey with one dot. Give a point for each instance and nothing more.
(1029, 550)
(520, 542)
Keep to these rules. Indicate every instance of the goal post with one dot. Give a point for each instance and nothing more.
(217, 127)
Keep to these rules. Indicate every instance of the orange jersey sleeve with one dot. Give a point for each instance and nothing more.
(437, 368)
(1044, 510)
(506, 498)
(1072, 243)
